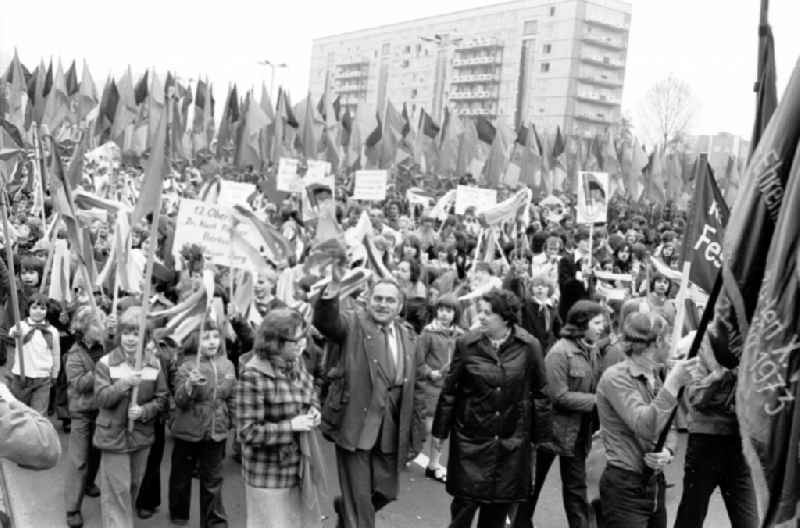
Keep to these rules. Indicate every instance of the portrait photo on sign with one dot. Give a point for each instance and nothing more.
(592, 197)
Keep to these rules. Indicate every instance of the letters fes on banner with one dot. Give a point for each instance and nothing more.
(235, 193)
(592, 197)
(209, 226)
(287, 179)
(468, 196)
(370, 185)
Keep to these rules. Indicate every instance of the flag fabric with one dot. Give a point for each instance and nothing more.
(768, 387)
(230, 117)
(17, 101)
(472, 151)
(308, 130)
(107, 111)
(248, 152)
(391, 136)
(275, 246)
(71, 80)
(87, 94)
(372, 144)
(56, 109)
(755, 318)
(766, 90)
(157, 106)
(126, 108)
(450, 142)
(150, 193)
(703, 237)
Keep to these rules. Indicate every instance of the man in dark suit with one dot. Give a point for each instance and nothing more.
(372, 407)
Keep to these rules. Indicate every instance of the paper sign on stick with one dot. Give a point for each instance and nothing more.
(235, 193)
(593, 195)
(370, 185)
(287, 179)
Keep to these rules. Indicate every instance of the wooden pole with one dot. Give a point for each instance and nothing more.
(680, 317)
(148, 277)
(37, 152)
(12, 281)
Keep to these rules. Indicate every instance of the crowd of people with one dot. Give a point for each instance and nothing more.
(554, 342)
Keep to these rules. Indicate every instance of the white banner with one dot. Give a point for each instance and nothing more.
(209, 226)
(287, 179)
(370, 185)
(235, 193)
(593, 197)
(477, 197)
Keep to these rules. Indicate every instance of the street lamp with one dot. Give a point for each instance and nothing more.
(442, 41)
(272, 66)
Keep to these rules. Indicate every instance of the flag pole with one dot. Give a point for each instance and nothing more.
(12, 279)
(680, 317)
(148, 276)
(37, 153)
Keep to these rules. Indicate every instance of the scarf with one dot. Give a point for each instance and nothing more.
(44, 328)
(286, 367)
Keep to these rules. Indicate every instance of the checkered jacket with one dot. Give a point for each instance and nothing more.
(266, 401)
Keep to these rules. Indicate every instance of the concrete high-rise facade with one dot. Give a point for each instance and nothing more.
(550, 62)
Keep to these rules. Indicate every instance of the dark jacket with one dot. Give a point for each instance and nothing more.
(355, 374)
(205, 412)
(542, 323)
(435, 348)
(572, 375)
(492, 407)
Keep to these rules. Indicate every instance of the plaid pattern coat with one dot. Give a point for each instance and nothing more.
(267, 398)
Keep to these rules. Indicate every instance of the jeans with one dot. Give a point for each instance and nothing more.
(632, 500)
(711, 461)
(492, 515)
(84, 460)
(149, 497)
(207, 455)
(120, 478)
(573, 487)
(33, 392)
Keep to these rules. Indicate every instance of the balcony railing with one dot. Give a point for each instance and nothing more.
(593, 118)
(353, 62)
(607, 23)
(603, 41)
(600, 80)
(352, 74)
(597, 97)
(600, 60)
(475, 78)
(490, 111)
(481, 43)
(350, 88)
(475, 94)
(475, 61)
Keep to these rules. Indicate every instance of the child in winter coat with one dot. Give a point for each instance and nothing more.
(204, 393)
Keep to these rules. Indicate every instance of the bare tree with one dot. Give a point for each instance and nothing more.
(667, 110)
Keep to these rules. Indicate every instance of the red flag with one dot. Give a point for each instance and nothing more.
(150, 193)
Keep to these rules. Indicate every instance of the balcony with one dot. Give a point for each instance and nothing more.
(600, 80)
(481, 43)
(351, 88)
(472, 95)
(598, 98)
(593, 118)
(352, 74)
(351, 100)
(477, 61)
(607, 23)
(601, 60)
(487, 111)
(603, 41)
(353, 62)
(476, 78)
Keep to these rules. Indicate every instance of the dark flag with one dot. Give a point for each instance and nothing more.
(755, 326)
(708, 216)
(767, 93)
(486, 130)
(142, 88)
(347, 128)
(71, 80)
(428, 127)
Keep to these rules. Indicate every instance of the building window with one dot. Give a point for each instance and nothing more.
(405, 63)
(386, 48)
(530, 27)
(546, 48)
(552, 11)
(376, 54)
(419, 48)
(545, 67)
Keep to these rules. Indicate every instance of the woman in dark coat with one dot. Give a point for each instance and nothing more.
(492, 406)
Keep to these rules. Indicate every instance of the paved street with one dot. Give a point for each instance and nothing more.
(37, 498)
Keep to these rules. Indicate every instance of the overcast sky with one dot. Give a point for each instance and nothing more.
(711, 44)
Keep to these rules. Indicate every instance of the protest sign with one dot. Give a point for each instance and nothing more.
(467, 196)
(319, 172)
(235, 193)
(592, 205)
(287, 179)
(209, 226)
(370, 185)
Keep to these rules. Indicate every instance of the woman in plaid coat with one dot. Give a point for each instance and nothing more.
(276, 407)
